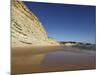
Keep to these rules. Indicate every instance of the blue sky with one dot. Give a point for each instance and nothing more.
(66, 22)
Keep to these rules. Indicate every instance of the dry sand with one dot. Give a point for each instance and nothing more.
(47, 59)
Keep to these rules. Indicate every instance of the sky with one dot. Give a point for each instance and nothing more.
(66, 22)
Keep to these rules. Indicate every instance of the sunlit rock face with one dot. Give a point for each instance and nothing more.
(26, 29)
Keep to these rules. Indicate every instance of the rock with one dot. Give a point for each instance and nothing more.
(26, 29)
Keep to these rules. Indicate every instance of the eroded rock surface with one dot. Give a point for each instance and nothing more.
(26, 29)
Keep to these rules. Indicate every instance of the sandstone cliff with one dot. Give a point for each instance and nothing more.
(26, 29)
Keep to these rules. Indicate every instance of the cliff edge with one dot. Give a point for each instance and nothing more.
(26, 29)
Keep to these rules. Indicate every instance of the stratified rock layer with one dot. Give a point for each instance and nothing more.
(26, 29)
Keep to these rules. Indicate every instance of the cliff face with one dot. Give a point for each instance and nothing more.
(26, 29)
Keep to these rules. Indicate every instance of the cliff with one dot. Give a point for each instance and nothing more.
(26, 29)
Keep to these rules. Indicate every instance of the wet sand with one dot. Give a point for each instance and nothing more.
(52, 59)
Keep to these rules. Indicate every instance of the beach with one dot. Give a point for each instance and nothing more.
(50, 59)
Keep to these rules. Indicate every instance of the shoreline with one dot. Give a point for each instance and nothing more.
(50, 61)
